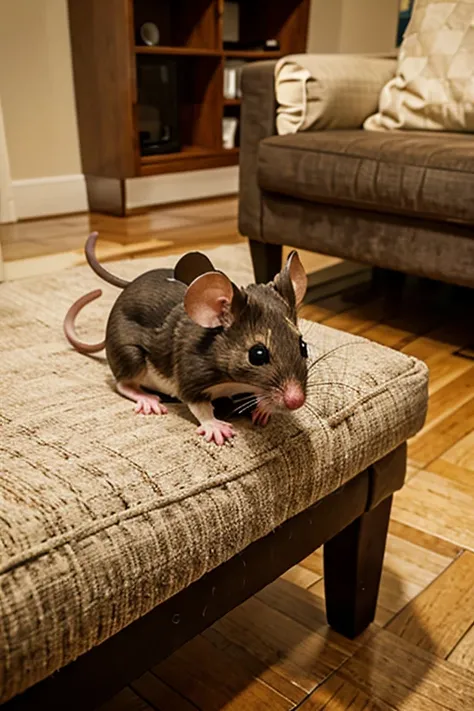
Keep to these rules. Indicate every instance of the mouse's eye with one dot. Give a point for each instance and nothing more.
(303, 348)
(259, 354)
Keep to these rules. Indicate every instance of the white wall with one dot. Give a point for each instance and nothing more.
(324, 26)
(368, 26)
(353, 26)
(36, 89)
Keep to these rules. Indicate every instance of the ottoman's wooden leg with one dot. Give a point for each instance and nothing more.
(352, 568)
(266, 259)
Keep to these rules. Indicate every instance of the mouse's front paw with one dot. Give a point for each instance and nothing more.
(216, 431)
(261, 416)
(150, 405)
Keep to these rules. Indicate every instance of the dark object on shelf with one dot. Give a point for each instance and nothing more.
(157, 106)
(269, 45)
(148, 34)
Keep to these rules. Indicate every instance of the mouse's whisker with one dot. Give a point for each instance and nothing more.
(241, 410)
(243, 401)
(246, 404)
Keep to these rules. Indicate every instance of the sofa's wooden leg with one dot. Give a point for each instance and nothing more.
(352, 568)
(266, 259)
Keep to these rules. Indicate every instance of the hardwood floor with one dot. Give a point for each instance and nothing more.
(276, 651)
(44, 246)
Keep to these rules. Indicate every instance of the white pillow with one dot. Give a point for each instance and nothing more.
(434, 85)
(316, 91)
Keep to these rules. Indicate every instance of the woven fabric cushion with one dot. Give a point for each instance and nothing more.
(104, 514)
(316, 91)
(434, 85)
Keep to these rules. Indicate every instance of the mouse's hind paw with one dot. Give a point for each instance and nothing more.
(146, 403)
(150, 405)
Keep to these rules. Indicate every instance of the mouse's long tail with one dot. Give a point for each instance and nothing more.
(98, 268)
(69, 328)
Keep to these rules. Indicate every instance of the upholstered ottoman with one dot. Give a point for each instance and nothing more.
(122, 536)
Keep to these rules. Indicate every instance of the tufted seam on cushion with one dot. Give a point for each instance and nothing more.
(341, 415)
(78, 534)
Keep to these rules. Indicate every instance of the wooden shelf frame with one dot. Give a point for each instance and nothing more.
(204, 52)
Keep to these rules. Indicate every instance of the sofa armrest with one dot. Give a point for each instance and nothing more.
(318, 92)
(258, 115)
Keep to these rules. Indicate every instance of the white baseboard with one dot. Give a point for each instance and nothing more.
(63, 194)
(178, 187)
(57, 195)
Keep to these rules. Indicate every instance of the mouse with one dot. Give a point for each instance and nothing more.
(192, 334)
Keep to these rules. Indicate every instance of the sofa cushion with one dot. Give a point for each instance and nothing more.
(413, 173)
(105, 514)
(317, 91)
(434, 84)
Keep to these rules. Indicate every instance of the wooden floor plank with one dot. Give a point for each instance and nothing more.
(160, 696)
(206, 677)
(443, 613)
(255, 667)
(301, 576)
(450, 398)
(406, 678)
(303, 607)
(444, 370)
(424, 540)
(439, 501)
(314, 312)
(434, 441)
(432, 347)
(126, 700)
(462, 452)
(303, 656)
(388, 335)
(463, 653)
(358, 319)
(314, 563)
(338, 694)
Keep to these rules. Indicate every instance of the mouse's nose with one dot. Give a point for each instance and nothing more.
(293, 396)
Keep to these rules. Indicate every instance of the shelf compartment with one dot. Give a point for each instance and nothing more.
(286, 22)
(181, 23)
(198, 100)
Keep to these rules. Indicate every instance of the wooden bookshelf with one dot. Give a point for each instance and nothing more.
(108, 56)
(180, 51)
(249, 54)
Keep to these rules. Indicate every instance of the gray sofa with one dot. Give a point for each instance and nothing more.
(397, 200)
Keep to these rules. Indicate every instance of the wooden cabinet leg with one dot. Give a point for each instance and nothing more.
(266, 259)
(353, 562)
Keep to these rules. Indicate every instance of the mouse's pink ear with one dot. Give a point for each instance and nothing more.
(292, 281)
(208, 300)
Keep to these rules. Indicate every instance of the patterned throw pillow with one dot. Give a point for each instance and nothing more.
(434, 85)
